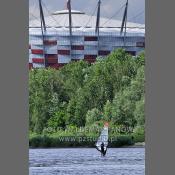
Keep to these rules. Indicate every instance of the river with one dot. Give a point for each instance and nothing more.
(87, 161)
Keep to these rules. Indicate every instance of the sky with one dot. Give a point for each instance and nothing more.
(109, 8)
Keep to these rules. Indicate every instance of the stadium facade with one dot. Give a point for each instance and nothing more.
(71, 35)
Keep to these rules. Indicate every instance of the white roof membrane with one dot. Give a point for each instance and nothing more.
(83, 22)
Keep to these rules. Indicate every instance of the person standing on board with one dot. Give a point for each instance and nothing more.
(103, 152)
(102, 149)
(102, 142)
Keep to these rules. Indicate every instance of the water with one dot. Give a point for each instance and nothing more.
(77, 161)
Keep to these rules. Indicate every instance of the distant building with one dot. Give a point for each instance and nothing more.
(59, 47)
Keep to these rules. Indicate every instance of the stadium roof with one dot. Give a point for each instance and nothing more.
(60, 19)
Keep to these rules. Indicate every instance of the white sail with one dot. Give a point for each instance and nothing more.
(103, 138)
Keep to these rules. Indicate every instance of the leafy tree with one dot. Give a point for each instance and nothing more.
(75, 94)
(124, 103)
(92, 116)
(139, 112)
(73, 76)
(58, 120)
(46, 93)
(107, 111)
(122, 111)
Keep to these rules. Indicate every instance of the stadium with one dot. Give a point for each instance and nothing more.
(71, 35)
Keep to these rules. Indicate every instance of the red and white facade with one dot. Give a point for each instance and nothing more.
(58, 48)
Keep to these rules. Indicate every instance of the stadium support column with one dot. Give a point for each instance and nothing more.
(97, 29)
(124, 21)
(43, 30)
(70, 25)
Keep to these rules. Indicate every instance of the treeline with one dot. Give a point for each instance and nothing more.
(80, 94)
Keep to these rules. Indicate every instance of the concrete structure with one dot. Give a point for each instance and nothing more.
(59, 47)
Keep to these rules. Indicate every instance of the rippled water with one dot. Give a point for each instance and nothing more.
(77, 161)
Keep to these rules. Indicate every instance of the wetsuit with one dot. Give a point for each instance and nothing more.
(103, 152)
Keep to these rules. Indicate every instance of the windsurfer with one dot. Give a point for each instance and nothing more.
(103, 151)
(102, 142)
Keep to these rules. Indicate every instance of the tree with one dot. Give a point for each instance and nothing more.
(92, 116)
(139, 112)
(108, 111)
(57, 120)
(46, 94)
(73, 76)
(122, 111)
(75, 94)
(127, 99)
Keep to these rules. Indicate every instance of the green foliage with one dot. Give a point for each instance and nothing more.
(93, 116)
(77, 94)
(122, 111)
(139, 134)
(139, 112)
(123, 140)
(46, 95)
(139, 130)
(72, 75)
(107, 111)
(141, 59)
(128, 104)
(58, 120)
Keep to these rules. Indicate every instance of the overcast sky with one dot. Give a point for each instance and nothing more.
(136, 9)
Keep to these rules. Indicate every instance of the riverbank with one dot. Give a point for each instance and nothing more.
(45, 141)
(136, 145)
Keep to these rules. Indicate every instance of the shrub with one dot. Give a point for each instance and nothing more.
(121, 141)
(139, 134)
